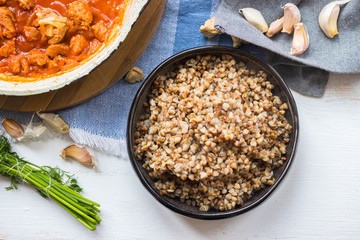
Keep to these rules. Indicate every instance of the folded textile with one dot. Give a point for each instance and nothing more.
(307, 73)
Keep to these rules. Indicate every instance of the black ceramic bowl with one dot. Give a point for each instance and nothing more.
(137, 109)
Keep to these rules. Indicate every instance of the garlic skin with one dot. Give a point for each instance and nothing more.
(328, 18)
(300, 39)
(32, 132)
(255, 18)
(292, 16)
(54, 122)
(13, 128)
(80, 154)
(275, 27)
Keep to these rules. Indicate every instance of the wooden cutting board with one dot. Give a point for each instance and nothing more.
(101, 78)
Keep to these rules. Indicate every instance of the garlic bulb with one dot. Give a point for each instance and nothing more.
(300, 39)
(255, 18)
(291, 17)
(328, 17)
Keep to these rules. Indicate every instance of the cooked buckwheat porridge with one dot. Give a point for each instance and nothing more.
(212, 133)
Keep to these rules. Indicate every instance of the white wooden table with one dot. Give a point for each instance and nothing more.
(318, 199)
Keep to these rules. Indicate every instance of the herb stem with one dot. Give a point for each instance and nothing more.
(50, 183)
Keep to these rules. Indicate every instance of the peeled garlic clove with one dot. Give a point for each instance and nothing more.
(255, 18)
(13, 128)
(300, 39)
(275, 27)
(54, 122)
(328, 18)
(80, 154)
(291, 17)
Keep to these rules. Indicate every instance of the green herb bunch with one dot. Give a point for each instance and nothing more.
(50, 182)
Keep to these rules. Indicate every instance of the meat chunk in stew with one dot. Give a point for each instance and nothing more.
(7, 19)
(80, 13)
(57, 49)
(24, 64)
(17, 63)
(100, 31)
(37, 57)
(8, 49)
(14, 63)
(57, 62)
(2, 2)
(26, 4)
(52, 26)
(78, 43)
(31, 34)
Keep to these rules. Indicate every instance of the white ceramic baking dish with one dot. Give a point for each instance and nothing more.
(12, 85)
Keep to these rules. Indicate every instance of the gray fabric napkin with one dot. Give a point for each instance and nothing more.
(307, 73)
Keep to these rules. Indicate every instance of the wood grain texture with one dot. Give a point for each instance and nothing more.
(318, 199)
(101, 78)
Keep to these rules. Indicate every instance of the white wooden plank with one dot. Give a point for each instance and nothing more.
(319, 198)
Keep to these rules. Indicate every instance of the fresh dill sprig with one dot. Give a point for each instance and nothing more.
(51, 182)
(13, 184)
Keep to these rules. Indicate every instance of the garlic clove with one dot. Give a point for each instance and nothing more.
(80, 154)
(208, 29)
(134, 75)
(275, 27)
(292, 16)
(21, 132)
(13, 128)
(54, 122)
(255, 18)
(300, 39)
(328, 18)
(236, 41)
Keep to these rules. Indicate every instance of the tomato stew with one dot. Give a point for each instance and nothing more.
(39, 38)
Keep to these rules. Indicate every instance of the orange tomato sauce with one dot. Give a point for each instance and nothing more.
(110, 12)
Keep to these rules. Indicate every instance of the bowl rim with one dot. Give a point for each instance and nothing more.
(221, 214)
